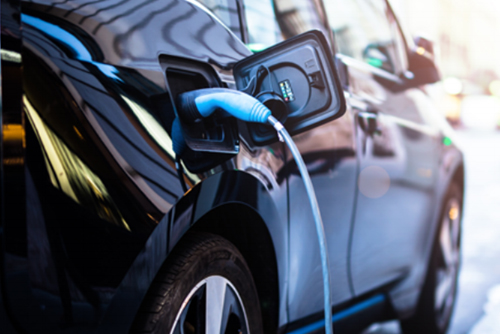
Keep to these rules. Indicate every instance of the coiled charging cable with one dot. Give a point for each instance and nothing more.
(202, 103)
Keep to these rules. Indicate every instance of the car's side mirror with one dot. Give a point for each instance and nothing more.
(422, 63)
(297, 79)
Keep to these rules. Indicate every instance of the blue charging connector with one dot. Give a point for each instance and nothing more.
(202, 103)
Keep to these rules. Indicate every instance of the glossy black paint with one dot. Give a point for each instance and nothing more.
(92, 203)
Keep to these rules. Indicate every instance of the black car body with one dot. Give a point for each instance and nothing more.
(92, 204)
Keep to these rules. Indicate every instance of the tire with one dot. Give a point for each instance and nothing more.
(204, 283)
(438, 294)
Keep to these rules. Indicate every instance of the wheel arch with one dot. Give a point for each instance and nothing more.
(246, 229)
(238, 207)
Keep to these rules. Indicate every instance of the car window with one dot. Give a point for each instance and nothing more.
(367, 30)
(269, 22)
(298, 16)
(226, 11)
(262, 24)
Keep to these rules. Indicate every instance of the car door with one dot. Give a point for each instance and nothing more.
(329, 152)
(398, 147)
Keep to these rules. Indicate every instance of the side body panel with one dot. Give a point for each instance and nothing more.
(104, 202)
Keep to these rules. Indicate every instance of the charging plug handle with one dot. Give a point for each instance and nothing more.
(202, 103)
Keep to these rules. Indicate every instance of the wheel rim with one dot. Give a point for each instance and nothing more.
(213, 306)
(449, 261)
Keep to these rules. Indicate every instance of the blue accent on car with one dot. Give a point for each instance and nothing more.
(341, 315)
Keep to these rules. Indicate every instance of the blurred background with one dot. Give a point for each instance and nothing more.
(466, 36)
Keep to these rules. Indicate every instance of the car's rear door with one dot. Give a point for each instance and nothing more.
(397, 146)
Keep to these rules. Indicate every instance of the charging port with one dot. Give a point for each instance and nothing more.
(213, 140)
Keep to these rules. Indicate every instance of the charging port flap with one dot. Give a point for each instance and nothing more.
(301, 72)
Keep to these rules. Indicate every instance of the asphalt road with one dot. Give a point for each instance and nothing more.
(478, 306)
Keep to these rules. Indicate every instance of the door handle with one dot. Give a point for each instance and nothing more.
(368, 122)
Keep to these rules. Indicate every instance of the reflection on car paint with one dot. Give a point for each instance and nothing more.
(70, 174)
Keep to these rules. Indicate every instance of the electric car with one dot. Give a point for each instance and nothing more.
(106, 229)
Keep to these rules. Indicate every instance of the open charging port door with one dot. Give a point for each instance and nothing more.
(302, 73)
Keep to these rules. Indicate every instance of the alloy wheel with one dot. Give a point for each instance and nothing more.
(448, 265)
(213, 306)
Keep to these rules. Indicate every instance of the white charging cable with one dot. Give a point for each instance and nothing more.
(318, 222)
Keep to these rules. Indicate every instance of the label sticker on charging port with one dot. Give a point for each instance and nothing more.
(286, 91)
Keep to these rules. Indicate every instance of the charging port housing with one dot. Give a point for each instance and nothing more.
(213, 140)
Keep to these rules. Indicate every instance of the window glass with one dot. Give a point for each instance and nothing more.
(298, 16)
(262, 25)
(366, 30)
(271, 22)
(400, 43)
(226, 11)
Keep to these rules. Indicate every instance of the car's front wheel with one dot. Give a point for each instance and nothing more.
(205, 288)
(438, 295)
